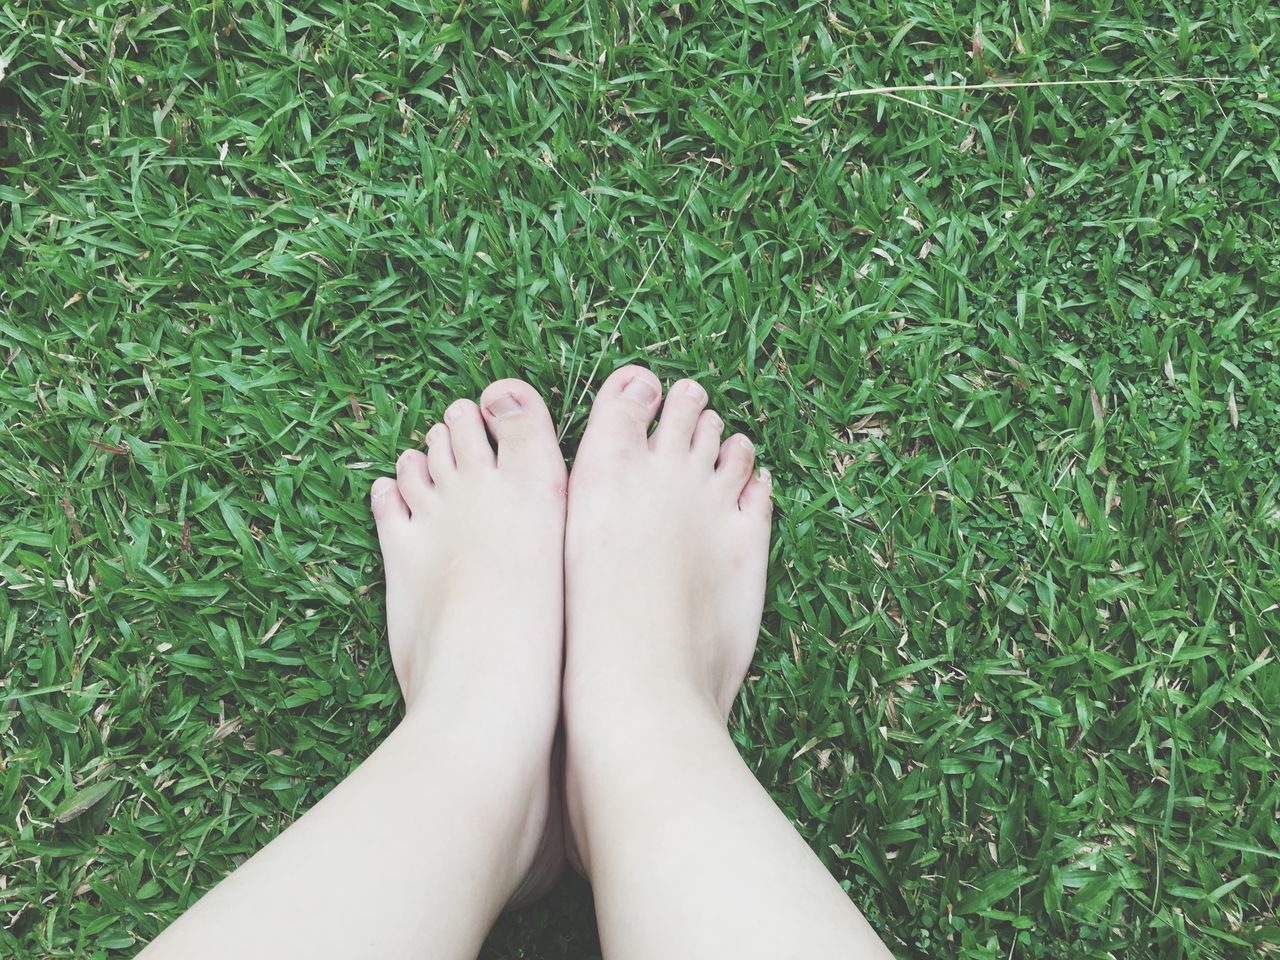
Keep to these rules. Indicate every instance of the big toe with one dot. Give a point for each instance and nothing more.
(624, 408)
(519, 421)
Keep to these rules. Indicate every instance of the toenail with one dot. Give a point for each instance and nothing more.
(745, 444)
(504, 406)
(765, 476)
(641, 391)
(694, 390)
(454, 411)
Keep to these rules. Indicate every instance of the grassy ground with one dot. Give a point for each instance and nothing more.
(1012, 355)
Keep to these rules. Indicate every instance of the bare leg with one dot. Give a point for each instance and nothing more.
(665, 562)
(417, 851)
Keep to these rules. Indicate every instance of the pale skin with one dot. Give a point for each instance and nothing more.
(626, 598)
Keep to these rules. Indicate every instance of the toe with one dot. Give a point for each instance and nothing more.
(440, 461)
(680, 413)
(706, 438)
(518, 420)
(389, 508)
(625, 406)
(471, 447)
(757, 496)
(413, 479)
(733, 468)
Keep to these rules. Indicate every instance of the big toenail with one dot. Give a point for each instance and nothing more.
(504, 406)
(641, 391)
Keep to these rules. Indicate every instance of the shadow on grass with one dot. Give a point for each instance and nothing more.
(560, 927)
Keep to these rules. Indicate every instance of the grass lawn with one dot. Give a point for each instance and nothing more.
(1012, 354)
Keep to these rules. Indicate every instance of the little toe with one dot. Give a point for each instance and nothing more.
(733, 468)
(440, 460)
(467, 434)
(413, 479)
(519, 422)
(624, 408)
(680, 412)
(706, 438)
(757, 496)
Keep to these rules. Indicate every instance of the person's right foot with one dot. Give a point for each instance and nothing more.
(665, 554)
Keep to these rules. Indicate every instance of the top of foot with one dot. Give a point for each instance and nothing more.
(668, 537)
(472, 533)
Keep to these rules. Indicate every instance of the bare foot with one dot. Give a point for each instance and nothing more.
(665, 556)
(472, 541)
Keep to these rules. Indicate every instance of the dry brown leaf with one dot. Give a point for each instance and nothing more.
(1099, 412)
(226, 728)
(71, 516)
(110, 448)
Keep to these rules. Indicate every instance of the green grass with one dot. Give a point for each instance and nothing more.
(1013, 356)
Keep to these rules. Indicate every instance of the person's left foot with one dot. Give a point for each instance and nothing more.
(665, 556)
(473, 540)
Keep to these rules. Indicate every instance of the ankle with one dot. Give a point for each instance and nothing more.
(643, 715)
(630, 741)
(455, 697)
(490, 781)
(604, 699)
(474, 747)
